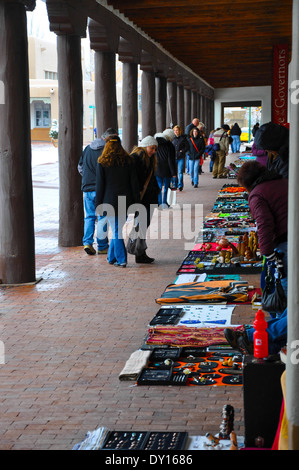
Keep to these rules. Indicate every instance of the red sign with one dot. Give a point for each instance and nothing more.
(280, 84)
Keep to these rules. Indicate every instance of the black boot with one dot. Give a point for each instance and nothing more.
(144, 259)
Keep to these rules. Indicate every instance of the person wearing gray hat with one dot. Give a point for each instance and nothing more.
(110, 132)
(146, 163)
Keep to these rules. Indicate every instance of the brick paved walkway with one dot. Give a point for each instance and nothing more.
(68, 337)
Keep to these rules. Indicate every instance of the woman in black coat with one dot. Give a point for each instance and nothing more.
(197, 148)
(117, 188)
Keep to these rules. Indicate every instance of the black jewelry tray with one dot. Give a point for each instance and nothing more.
(161, 354)
(144, 440)
(167, 316)
(166, 441)
(125, 440)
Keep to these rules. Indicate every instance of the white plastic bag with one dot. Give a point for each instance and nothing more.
(171, 197)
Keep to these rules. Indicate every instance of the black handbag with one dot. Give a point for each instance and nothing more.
(273, 299)
(136, 245)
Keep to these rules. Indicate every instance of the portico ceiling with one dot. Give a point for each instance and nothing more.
(227, 43)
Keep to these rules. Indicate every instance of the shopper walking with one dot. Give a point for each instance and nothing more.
(117, 188)
(145, 159)
(87, 167)
(235, 133)
(197, 148)
(181, 146)
(220, 138)
(166, 167)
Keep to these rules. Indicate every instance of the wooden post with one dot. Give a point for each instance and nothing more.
(70, 140)
(148, 103)
(17, 247)
(105, 91)
(171, 116)
(161, 98)
(130, 106)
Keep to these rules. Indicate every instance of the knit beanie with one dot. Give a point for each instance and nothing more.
(271, 136)
(148, 141)
(169, 134)
(160, 135)
(109, 132)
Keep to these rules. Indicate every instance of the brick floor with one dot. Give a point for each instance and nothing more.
(68, 337)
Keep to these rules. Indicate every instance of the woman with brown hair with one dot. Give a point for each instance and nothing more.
(117, 189)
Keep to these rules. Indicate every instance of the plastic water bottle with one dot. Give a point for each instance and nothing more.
(260, 336)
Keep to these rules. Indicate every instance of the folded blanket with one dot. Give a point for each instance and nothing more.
(134, 365)
(183, 336)
(205, 292)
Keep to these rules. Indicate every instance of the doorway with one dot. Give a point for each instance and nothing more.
(246, 114)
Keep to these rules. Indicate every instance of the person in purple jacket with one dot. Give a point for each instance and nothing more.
(268, 203)
(261, 155)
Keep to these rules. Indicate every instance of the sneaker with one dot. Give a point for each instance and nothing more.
(196, 186)
(89, 249)
(120, 265)
(103, 252)
(238, 340)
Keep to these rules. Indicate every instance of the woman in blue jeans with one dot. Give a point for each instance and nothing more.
(197, 147)
(117, 188)
(166, 166)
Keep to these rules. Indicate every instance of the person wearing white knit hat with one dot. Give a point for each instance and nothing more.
(148, 141)
(169, 134)
(146, 163)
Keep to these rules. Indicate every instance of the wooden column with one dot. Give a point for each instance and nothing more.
(148, 103)
(161, 103)
(105, 91)
(70, 140)
(193, 104)
(130, 106)
(180, 107)
(171, 110)
(129, 53)
(104, 40)
(187, 107)
(17, 247)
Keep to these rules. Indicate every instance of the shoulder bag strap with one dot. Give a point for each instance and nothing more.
(146, 185)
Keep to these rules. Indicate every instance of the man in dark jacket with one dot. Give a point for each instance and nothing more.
(166, 165)
(87, 169)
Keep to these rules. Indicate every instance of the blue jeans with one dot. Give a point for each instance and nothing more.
(236, 143)
(117, 252)
(187, 165)
(277, 333)
(181, 164)
(90, 220)
(166, 183)
(194, 165)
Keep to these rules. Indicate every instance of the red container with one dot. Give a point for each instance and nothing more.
(260, 336)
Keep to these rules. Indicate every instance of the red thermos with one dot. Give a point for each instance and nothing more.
(260, 336)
